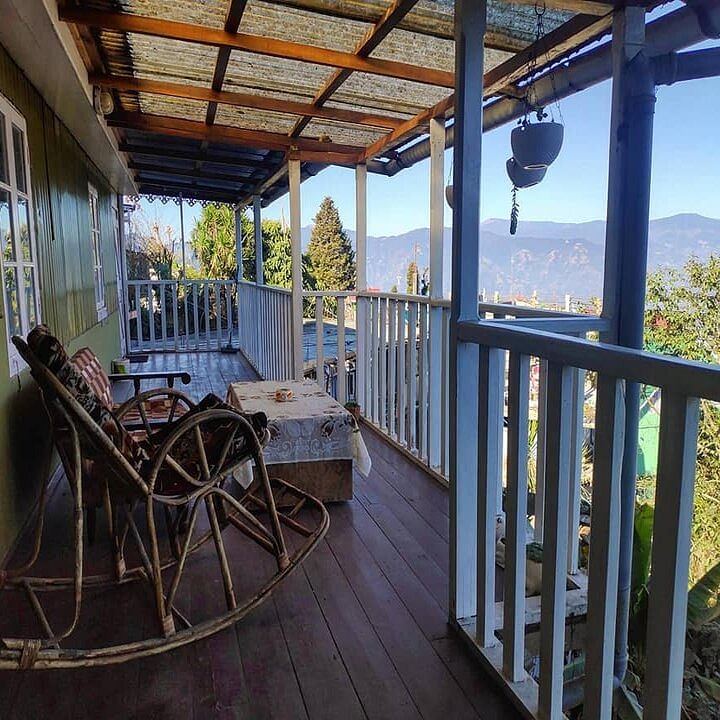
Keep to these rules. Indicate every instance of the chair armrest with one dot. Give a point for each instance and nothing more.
(168, 375)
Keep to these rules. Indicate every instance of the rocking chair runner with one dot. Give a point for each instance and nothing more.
(181, 467)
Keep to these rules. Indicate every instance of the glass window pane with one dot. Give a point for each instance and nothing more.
(3, 151)
(19, 152)
(6, 243)
(30, 297)
(12, 306)
(24, 215)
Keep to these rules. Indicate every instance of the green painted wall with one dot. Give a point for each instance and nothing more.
(60, 173)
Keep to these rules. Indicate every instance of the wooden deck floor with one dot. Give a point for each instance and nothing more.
(359, 631)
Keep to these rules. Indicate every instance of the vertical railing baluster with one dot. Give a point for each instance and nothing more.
(218, 314)
(151, 314)
(412, 376)
(206, 308)
(605, 551)
(672, 529)
(374, 364)
(576, 448)
(540, 454)
(186, 303)
(196, 313)
(436, 387)
(516, 518)
(555, 540)
(489, 469)
(382, 363)
(401, 366)
(422, 383)
(138, 317)
(341, 373)
(163, 319)
(445, 423)
(392, 368)
(320, 341)
(176, 330)
(229, 313)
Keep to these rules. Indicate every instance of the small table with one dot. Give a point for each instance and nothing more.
(313, 439)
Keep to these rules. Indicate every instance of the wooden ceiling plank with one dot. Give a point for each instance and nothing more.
(254, 44)
(247, 100)
(187, 192)
(372, 38)
(171, 153)
(193, 129)
(190, 173)
(232, 23)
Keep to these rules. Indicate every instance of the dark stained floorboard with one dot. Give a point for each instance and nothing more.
(359, 631)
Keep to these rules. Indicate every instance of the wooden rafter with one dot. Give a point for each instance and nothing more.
(232, 23)
(172, 153)
(188, 173)
(260, 45)
(569, 36)
(163, 125)
(260, 102)
(159, 188)
(392, 16)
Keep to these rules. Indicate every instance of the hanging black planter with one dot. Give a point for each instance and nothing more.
(449, 195)
(536, 145)
(522, 177)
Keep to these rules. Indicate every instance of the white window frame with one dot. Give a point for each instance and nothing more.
(12, 118)
(97, 255)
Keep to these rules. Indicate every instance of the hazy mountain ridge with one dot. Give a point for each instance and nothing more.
(547, 257)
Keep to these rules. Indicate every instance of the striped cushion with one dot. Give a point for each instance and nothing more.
(92, 372)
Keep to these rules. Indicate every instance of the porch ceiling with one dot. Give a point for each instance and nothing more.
(249, 83)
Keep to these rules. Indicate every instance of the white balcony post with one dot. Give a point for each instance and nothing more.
(437, 229)
(257, 230)
(361, 317)
(470, 19)
(238, 243)
(296, 249)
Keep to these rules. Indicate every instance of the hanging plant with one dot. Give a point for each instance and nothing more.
(522, 177)
(449, 195)
(514, 212)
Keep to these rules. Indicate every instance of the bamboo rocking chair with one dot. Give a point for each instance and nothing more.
(165, 484)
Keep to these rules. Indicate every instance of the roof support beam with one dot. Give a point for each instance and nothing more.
(184, 191)
(256, 44)
(182, 172)
(195, 130)
(164, 152)
(232, 23)
(247, 100)
(392, 16)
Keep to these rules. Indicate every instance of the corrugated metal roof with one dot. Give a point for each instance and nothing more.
(423, 38)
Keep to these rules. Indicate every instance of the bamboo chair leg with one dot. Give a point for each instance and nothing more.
(282, 557)
(222, 557)
(167, 623)
(118, 559)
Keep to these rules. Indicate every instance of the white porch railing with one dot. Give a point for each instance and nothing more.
(265, 329)
(179, 315)
(682, 384)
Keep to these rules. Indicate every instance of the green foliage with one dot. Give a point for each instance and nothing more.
(213, 240)
(330, 252)
(683, 318)
(704, 598)
(412, 278)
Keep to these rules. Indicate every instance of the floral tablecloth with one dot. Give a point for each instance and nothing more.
(309, 428)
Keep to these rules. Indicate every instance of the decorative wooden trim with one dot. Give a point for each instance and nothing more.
(237, 99)
(202, 35)
(178, 127)
(373, 37)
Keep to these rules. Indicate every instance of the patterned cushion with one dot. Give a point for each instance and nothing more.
(92, 372)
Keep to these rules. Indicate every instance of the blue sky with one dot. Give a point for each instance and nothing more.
(686, 170)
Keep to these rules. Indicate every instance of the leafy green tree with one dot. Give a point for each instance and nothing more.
(330, 252)
(412, 278)
(213, 240)
(683, 318)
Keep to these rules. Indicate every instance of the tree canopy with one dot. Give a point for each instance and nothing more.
(330, 251)
(213, 241)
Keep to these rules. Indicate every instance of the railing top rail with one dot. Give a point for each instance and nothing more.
(186, 281)
(268, 288)
(420, 299)
(330, 293)
(523, 311)
(565, 324)
(692, 379)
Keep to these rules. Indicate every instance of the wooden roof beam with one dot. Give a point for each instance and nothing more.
(232, 23)
(176, 127)
(247, 100)
(189, 173)
(175, 154)
(150, 188)
(392, 16)
(257, 44)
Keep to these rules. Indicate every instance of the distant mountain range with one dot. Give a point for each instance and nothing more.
(547, 257)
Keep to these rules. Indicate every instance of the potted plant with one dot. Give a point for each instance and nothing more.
(449, 194)
(522, 177)
(535, 145)
(354, 409)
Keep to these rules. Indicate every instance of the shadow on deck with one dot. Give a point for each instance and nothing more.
(359, 631)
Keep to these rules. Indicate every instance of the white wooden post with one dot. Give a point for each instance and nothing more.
(361, 324)
(257, 229)
(470, 18)
(238, 243)
(437, 229)
(296, 249)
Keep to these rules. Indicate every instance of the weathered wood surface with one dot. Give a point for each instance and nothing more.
(358, 632)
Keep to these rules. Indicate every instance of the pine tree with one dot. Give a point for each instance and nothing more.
(412, 278)
(330, 252)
